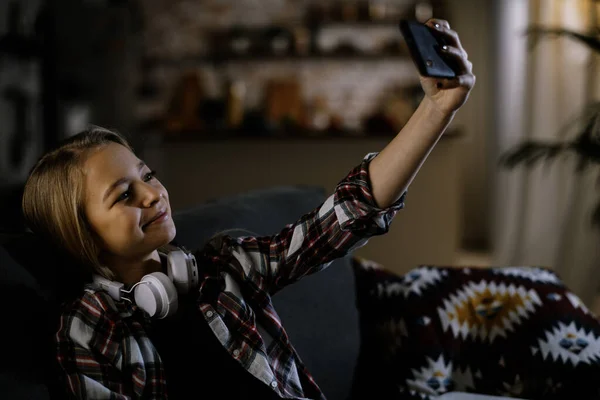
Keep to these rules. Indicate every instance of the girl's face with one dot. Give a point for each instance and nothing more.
(122, 202)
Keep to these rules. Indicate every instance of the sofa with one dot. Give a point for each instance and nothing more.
(334, 318)
(318, 312)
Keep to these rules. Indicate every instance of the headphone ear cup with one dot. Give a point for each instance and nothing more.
(182, 270)
(156, 295)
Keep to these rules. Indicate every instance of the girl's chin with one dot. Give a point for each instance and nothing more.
(158, 228)
(162, 236)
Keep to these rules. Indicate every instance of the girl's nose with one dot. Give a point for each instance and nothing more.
(151, 195)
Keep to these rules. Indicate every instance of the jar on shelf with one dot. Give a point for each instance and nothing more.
(278, 41)
(377, 10)
(240, 41)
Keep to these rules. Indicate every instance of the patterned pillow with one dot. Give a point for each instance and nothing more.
(514, 332)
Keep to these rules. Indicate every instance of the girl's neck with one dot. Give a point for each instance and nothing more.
(130, 272)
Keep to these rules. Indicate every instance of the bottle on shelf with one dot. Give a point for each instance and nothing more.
(236, 92)
(318, 116)
(301, 41)
(183, 111)
(376, 10)
(283, 104)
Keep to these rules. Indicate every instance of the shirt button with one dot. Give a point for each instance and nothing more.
(274, 384)
(236, 353)
(209, 314)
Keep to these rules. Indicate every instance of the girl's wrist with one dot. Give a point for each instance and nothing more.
(434, 113)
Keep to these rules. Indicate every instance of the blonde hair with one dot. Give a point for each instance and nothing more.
(53, 197)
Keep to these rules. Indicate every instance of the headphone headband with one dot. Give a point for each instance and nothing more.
(156, 293)
(114, 289)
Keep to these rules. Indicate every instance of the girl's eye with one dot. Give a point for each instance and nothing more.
(149, 176)
(127, 194)
(124, 196)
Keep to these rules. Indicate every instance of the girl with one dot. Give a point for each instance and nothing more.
(95, 199)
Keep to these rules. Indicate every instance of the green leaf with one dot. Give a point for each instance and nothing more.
(587, 144)
(529, 153)
(596, 216)
(588, 40)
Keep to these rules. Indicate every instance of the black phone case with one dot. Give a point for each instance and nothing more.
(424, 46)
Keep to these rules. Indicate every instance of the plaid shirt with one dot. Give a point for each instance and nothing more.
(105, 353)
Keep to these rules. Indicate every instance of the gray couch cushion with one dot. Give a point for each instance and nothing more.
(263, 211)
(319, 312)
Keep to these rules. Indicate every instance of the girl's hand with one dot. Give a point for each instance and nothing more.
(448, 95)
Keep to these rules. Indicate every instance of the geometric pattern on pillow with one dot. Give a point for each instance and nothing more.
(514, 332)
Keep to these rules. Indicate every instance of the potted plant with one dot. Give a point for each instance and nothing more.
(586, 144)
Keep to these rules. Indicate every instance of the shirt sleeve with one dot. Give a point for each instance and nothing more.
(343, 223)
(88, 353)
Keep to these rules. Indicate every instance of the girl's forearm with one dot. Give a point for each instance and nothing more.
(393, 170)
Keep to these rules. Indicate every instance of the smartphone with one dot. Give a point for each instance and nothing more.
(425, 44)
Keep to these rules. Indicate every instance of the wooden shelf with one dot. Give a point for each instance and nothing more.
(200, 60)
(255, 32)
(224, 136)
(352, 24)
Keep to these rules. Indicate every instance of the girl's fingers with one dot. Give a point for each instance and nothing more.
(459, 56)
(454, 49)
(438, 23)
(450, 36)
(466, 80)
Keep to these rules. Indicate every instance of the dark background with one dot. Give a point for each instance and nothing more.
(289, 91)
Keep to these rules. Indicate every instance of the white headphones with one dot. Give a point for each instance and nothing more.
(156, 293)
